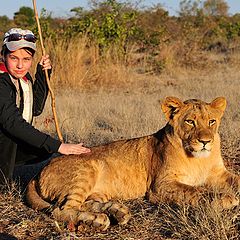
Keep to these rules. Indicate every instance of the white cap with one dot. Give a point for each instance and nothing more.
(15, 45)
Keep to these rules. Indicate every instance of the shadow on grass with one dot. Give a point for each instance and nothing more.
(5, 236)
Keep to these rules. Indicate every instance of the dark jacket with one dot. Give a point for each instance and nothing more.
(19, 140)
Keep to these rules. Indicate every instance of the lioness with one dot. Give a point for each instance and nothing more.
(181, 163)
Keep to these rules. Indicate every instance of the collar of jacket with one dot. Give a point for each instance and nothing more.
(4, 70)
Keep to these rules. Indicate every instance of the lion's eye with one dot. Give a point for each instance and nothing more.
(190, 122)
(212, 122)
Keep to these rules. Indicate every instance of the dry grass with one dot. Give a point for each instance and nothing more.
(124, 103)
(148, 222)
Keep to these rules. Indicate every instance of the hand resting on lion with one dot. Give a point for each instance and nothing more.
(181, 163)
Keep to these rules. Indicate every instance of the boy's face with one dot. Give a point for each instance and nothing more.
(18, 62)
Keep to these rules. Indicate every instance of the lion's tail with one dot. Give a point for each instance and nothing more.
(34, 199)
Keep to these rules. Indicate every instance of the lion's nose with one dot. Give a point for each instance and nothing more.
(204, 142)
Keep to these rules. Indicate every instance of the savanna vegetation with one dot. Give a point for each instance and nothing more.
(113, 64)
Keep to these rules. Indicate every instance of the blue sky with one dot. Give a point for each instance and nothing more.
(62, 7)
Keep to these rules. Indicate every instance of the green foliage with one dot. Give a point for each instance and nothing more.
(232, 30)
(24, 17)
(5, 22)
(46, 23)
(108, 23)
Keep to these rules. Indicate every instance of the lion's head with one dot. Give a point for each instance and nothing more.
(195, 123)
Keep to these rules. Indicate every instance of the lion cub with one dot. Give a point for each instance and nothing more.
(181, 163)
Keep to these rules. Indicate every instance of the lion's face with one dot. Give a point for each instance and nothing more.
(195, 123)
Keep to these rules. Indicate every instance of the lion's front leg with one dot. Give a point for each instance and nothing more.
(179, 193)
(223, 180)
(226, 186)
(176, 192)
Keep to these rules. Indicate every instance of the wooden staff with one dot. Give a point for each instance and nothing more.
(47, 76)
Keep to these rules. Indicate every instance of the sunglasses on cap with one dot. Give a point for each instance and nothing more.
(18, 37)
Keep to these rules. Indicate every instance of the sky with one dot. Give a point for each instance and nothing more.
(61, 8)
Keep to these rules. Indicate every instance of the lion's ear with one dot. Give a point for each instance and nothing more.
(171, 106)
(219, 103)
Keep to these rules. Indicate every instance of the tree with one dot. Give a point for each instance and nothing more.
(78, 11)
(109, 23)
(152, 24)
(5, 23)
(215, 8)
(189, 8)
(24, 17)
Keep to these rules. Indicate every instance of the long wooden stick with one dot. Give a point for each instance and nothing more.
(47, 76)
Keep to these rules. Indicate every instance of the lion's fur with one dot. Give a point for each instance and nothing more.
(171, 165)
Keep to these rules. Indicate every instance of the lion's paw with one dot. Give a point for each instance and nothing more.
(225, 202)
(97, 220)
(119, 212)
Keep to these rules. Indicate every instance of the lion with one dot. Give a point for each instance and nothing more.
(180, 164)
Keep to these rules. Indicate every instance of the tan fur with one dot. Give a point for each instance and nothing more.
(181, 163)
